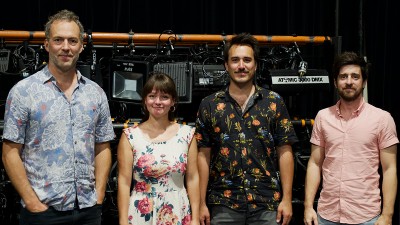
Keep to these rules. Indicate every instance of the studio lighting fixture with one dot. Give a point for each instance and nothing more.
(181, 73)
(127, 79)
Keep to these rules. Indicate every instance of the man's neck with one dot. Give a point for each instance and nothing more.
(348, 107)
(246, 89)
(241, 94)
(63, 77)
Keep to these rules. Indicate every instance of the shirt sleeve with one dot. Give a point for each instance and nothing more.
(316, 134)
(388, 134)
(203, 125)
(104, 127)
(284, 133)
(16, 114)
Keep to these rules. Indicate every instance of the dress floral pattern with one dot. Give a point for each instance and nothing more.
(159, 196)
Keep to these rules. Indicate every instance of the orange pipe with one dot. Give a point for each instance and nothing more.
(15, 36)
(303, 122)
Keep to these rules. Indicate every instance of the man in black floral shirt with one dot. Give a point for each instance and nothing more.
(244, 135)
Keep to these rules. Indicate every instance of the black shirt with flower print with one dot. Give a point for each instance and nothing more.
(243, 168)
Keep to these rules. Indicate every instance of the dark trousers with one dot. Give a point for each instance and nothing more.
(222, 215)
(86, 216)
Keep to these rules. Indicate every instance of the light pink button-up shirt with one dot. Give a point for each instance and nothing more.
(350, 191)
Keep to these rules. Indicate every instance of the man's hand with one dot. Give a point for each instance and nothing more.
(310, 216)
(204, 215)
(285, 211)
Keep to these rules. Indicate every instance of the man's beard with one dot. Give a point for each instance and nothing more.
(350, 98)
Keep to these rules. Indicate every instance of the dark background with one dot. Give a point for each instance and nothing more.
(366, 27)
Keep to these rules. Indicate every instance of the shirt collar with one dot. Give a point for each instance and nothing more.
(356, 112)
(49, 77)
(224, 93)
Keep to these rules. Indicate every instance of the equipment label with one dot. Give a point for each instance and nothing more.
(300, 80)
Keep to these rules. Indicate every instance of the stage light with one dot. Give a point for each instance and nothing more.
(127, 79)
(303, 68)
(4, 59)
(214, 76)
(181, 73)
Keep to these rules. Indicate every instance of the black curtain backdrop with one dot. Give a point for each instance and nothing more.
(367, 27)
(192, 17)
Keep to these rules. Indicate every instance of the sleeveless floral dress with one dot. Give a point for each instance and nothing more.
(158, 194)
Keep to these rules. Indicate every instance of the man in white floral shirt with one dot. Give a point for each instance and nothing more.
(57, 128)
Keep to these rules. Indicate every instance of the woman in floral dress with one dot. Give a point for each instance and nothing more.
(158, 180)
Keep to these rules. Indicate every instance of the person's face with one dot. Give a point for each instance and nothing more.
(64, 45)
(158, 103)
(241, 64)
(350, 83)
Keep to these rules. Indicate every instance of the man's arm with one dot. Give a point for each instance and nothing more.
(17, 174)
(286, 169)
(389, 183)
(102, 167)
(313, 179)
(203, 161)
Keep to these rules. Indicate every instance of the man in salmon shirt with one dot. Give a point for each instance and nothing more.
(349, 142)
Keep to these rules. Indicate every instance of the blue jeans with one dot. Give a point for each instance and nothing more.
(222, 215)
(322, 221)
(86, 216)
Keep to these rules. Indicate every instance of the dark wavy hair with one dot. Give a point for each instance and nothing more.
(164, 83)
(349, 58)
(242, 39)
